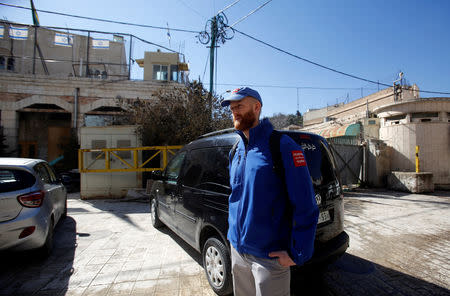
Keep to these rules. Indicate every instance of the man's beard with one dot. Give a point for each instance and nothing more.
(245, 121)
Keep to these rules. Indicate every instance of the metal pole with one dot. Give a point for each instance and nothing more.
(129, 58)
(34, 50)
(211, 55)
(417, 160)
(75, 111)
(87, 54)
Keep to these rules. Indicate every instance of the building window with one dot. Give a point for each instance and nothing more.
(6, 63)
(160, 72)
(2, 62)
(173, 73)
(123, 144)
(98, 144)
(10, 66)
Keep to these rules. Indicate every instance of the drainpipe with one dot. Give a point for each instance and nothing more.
(75, 111)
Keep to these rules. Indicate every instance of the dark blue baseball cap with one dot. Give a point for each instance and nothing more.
(240, 93)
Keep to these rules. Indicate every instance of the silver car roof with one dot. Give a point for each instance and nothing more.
(22, 162)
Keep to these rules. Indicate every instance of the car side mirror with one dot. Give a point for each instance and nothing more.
(158, 175)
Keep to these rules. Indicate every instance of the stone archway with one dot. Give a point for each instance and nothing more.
(38, 99)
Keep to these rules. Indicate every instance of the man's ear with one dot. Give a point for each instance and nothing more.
(257, 107)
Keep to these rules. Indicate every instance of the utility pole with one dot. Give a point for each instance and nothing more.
(216, 32)
(211, 55)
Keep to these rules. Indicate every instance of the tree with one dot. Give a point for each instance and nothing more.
(176, 116)
(280, 121)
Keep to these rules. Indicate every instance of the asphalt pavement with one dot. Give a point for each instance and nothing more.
(399, 245)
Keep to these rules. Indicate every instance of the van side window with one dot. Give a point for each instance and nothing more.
(173, 168)
(207, 169)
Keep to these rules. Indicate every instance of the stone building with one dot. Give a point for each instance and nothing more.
(391, 126)
(73, 82)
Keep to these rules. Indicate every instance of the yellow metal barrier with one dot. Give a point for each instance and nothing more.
(108, 154)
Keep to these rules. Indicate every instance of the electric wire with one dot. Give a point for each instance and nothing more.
(196, 32)
(331, 69)
(206, 64)
(196, 12)
(232, 4)
(251, 12)
(103, 32)
(294, 87)
(101, 20)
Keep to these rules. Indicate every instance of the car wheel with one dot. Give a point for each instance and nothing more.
(217, 265)
(47, 248)
(154, 215)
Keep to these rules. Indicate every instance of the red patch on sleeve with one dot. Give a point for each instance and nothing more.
(299, 158)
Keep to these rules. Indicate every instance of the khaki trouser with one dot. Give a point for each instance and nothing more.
(259, 276)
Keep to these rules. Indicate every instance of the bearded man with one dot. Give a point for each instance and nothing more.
(272, 220)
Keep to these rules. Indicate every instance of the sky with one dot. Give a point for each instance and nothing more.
(374, 40)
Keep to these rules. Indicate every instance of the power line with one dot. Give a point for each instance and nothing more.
(294, 87)
(308, 61)
(100, 20)
(196, 12)
(103, 32)
(251, 12)
(232, 4)
(331, 69)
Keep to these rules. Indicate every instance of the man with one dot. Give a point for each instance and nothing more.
(272, 222)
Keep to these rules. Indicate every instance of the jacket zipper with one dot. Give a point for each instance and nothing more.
(244, 162)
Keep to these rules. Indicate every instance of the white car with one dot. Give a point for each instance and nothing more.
(32, 201)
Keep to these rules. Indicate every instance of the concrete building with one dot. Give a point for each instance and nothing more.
(424, 123)
(163, 66)
(391, 125)
(36, 50)
(76, 82)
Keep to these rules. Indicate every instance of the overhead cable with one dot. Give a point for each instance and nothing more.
(232, 4)
(100, 20)
(251, 12)
(331, 69)
(293, 87)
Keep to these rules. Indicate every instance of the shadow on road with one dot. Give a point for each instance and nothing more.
(22, 273)
(352, 275)
(193, 253)
(349, 275)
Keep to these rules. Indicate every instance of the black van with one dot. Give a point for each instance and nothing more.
(191, 197)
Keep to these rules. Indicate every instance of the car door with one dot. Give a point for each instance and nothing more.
(50, 200)
(58, 191)
(170, 189)
(205, 190)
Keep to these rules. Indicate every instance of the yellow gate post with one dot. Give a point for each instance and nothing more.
(417, 160)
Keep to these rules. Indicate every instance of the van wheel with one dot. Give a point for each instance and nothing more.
(217, 265)
(154, 215)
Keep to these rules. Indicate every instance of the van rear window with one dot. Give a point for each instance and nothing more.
(319, 159)
(12, 180)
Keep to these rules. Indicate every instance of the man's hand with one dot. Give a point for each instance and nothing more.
(283, 258)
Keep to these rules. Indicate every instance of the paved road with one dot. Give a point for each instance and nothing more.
(400, 245)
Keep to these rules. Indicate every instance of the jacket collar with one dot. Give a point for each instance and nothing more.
(259, 133)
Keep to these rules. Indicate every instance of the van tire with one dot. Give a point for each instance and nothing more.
(154, 214)
(217, 265)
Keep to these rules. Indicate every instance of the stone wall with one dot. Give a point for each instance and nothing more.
(19, 92)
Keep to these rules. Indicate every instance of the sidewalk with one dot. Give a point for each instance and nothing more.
(107, 247)
(399, 245)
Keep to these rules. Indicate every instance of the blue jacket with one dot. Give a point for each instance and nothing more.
(259, 219)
